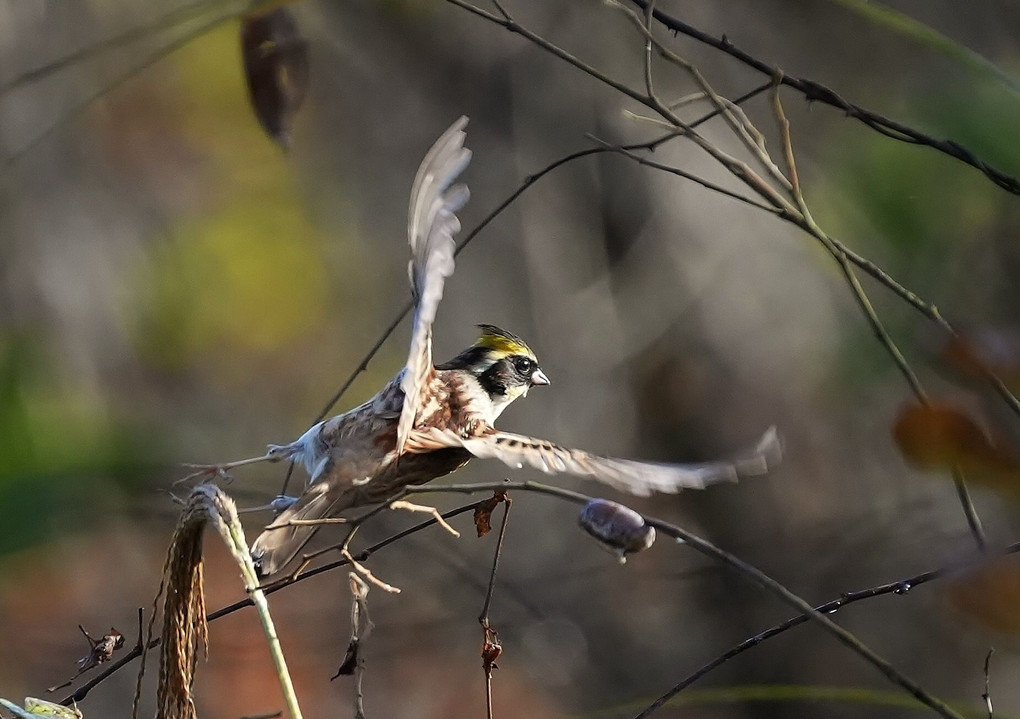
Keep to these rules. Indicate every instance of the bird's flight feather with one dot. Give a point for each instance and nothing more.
(431, 225)
(640, 478)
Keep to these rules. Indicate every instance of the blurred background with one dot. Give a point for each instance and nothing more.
(177, 287)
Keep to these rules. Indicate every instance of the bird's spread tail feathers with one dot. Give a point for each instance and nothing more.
(282, 540)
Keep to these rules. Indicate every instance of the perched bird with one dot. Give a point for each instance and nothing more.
(430, 419)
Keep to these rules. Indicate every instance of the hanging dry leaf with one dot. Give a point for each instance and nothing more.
(940, 436)
(276, 68)
(491, 650)
(350, 661)
(483, 513)
(100, 650)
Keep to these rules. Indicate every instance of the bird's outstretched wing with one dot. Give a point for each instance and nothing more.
(431, 225)
(641, 478)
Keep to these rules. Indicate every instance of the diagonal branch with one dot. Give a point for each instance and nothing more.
(817, 92)
(749, 572)
(901, 586)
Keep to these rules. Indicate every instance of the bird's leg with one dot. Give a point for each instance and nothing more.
(274, 454)
(279, 504)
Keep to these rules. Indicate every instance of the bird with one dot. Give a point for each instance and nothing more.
(431, 419)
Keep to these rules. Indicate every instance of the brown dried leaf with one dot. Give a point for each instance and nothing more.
(985, 350)
(101, 650)
(350, 661)
(483, 514)
(491, 650)
(940, 436)
(276, 67)
(991, 595)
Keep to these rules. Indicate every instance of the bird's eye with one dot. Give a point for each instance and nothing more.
(523, 365)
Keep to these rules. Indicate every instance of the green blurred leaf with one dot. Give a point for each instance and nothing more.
(249, 277)
(915, 30)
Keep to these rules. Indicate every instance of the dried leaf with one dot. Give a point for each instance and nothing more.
(491, 650)
(361, 627)
(276, 68)
(986, 350)
(350, 661)
(940, 436)
(483, 514)
(618, 528)
(100, 650)
(990, 595)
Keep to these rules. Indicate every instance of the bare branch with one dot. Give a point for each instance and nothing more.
(749, 572)
(816, 92)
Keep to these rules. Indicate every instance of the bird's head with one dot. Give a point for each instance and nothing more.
(503, 364)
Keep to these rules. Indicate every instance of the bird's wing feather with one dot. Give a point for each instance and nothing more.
(431, 225)
(641, 478)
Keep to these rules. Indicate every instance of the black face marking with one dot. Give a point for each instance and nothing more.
(471, 357)
(500, 376)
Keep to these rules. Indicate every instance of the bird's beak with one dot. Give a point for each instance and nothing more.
(538, 377)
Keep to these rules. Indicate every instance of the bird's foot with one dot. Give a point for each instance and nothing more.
(277, 452)
(221, 471)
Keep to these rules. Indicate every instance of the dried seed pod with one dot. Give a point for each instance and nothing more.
(618, 528)
(276, 68)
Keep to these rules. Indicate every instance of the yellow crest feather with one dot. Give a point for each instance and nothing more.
(499, 340)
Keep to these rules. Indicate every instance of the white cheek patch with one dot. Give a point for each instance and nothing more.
(500, 402)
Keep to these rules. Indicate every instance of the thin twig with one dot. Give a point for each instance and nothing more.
(409, 507)
(808, 224)
(491, 648)
(367, 573)
(163, 23)
(987, 695)
(900, 587)
(816, 92)
(797, 213)
(707, 184)
(83, 691)
(483, 616)
(749, 572)
(744, 131)
(80, 107)
(575, 497)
